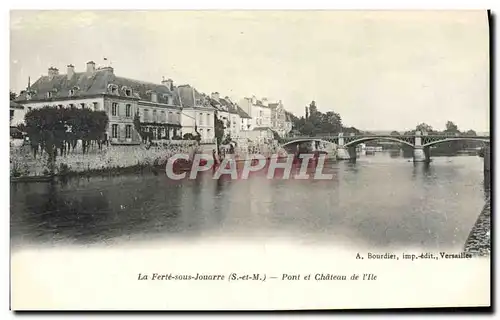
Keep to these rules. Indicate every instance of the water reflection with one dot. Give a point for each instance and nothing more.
(377, 201)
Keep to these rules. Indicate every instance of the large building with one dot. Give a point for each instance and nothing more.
(197, 113)
(267, 115)
(159, 105)
(258, 110)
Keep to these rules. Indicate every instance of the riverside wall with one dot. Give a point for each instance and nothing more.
(24, 164)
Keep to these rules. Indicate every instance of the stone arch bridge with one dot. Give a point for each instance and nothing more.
(420, 142)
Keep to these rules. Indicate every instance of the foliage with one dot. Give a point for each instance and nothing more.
(51, 129)
(219, 129)
(424, 127)
(451, 147)
(395, 133)
(315, 122)
(13, 95)
(188, 136)
(227, 139)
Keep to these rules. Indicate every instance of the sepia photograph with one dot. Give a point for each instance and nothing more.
(249, 160)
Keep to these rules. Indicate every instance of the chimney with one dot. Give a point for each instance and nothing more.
(71, 71)
(168, 83)
(90, 67)
(254, 100)
(53, 72)
(215, 96)
(265, 102)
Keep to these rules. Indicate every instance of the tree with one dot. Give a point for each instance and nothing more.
(330, 123)
(424, 127)
(350, 130)
(219, 129)
(471, 133)
(451, 128)
(13, 95)
(53, 128)
(395, 133)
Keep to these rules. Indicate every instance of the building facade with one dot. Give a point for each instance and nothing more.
(258, 110)
(121, 98)
(17, 112)
(197, 114)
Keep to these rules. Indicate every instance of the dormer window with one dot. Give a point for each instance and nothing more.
(49, 94)
(128, 92)
(113, 88)
(154, 97)
(71, 92)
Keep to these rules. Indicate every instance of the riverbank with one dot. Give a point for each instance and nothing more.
(479, 241)
(113, 160)
(109, 160)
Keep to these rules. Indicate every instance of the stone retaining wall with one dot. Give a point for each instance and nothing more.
(479, 241)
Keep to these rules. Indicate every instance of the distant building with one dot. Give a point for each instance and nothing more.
(279, 118)
(258, 110)
(259, 135)
(198, 115)
(245, 119)
(17, 112)
(121, 98)
(288, 125)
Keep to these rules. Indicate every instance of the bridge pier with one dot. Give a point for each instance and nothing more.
(343, 153)
(421, 154)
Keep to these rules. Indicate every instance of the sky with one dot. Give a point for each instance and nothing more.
(380, 70)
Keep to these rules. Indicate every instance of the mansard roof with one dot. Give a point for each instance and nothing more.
(85, 84)
(185, 93)
(242, 113)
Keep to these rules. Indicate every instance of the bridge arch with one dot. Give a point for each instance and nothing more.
(364, 139)
(456, 139)
(306, 140)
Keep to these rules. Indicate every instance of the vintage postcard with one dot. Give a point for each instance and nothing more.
(249, 160)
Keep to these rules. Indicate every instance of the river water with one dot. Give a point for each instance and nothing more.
(381, 201)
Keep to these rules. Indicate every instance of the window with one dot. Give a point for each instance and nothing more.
(178, 118)
(154, 97)
(128, 92)
(71, 92)
(11, 114)
(83, 105)
(96, 106)
(146, 115)
(170, 116)
(60, 106)
(154, 116)
(114, 131)
(208, 119)
(128, 110)
(201, 118)
(163, 116)
(128, 131)
(49, 94)
(113, 88)
(114, 109)
(71, 105)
